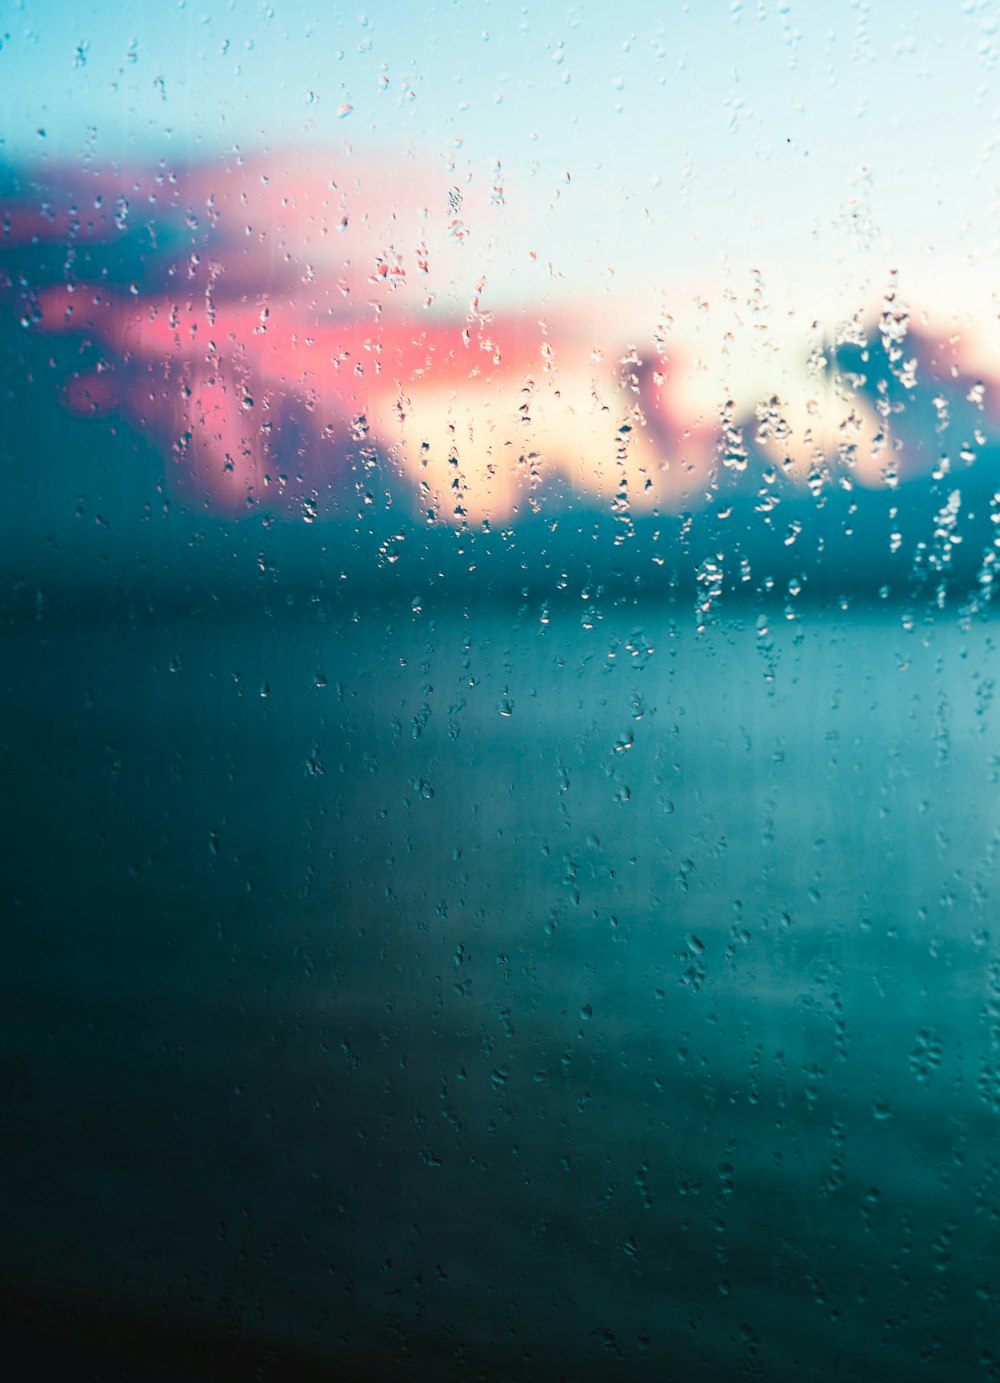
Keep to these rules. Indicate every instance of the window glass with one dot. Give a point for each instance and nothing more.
(497, 552)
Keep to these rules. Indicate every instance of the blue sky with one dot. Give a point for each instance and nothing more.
(716, 132)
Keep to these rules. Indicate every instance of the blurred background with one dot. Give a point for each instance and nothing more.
(498, 538)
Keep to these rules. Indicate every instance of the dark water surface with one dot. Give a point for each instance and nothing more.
(446, 992)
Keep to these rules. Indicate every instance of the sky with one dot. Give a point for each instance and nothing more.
(824, 146)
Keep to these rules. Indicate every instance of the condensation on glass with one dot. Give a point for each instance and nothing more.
(498, 553)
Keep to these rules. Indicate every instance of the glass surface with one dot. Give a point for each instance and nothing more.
(499, 533)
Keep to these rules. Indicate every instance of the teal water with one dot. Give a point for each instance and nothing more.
(471, 992)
